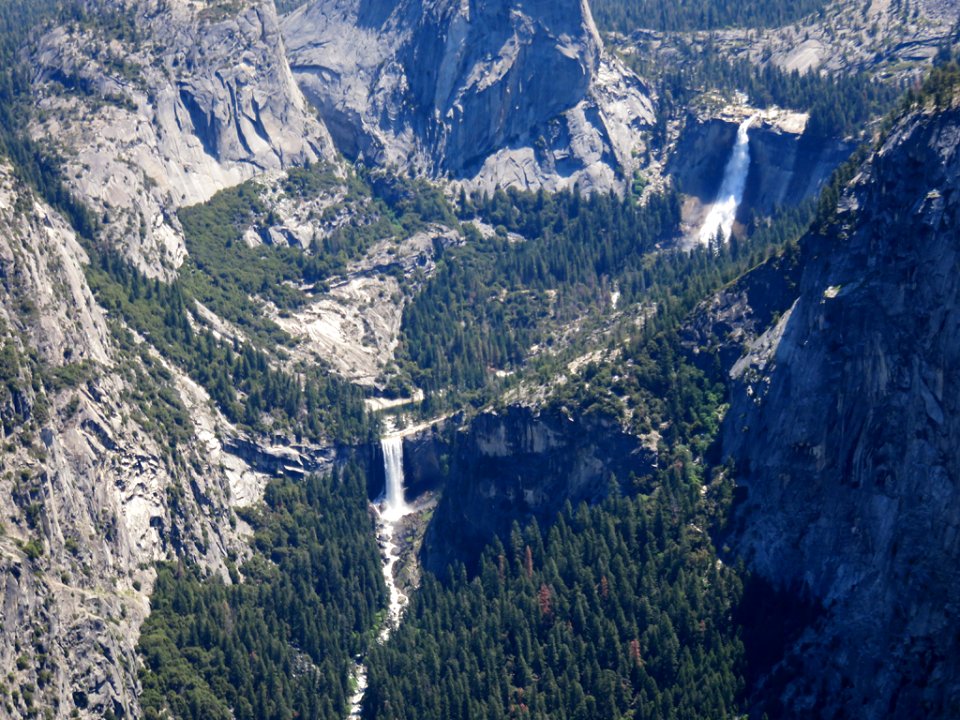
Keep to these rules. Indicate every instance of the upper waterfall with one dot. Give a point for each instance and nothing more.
(724, 211)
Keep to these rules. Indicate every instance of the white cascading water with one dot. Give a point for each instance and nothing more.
(394, 505)
(390, 509)
(724, 210)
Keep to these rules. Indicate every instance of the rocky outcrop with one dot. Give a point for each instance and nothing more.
(153, 104)
(786, 169)
(158, 104)
(355, 326)
(493, 92)
(281, 459)
(427, 458)
(879, 39)
(725, 326)
(844, 426)
(93, 491)
(516, 465)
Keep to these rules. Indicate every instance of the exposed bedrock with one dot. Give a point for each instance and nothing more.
(844, 426)
(492, 92)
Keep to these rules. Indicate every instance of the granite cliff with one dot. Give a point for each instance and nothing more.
(158, 104)
(843, 428)
(518, 464)
(96, 485)
(492, 92)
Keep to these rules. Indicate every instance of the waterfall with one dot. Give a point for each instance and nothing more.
(390, 510)
(394, 505)
(724, 210)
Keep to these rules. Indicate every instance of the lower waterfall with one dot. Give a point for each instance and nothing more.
(723, 213)
(390, 509)
(394, 505)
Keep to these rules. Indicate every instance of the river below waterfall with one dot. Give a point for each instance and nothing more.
(390, 510)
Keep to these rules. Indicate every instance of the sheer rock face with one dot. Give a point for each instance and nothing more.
(159, 104)
(487, 91)
(515, 465)
(92, 497)
(844, 425)
(153, 105)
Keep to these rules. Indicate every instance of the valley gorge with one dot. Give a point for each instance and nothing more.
(381, 359)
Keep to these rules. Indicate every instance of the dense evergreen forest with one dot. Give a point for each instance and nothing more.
(494, 298)
(498, 304)
(620, 610)
(280, 644)
(673, 15)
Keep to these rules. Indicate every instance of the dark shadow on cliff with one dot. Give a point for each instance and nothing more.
(698, 162)
(373, 14)
(519, 465)
(426, 462)
(771, 620)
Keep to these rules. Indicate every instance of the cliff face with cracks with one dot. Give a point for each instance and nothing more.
(157, 104)
(93, 489)
(844, 426)
(113, 458)
(493, 92)
(517, 465)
